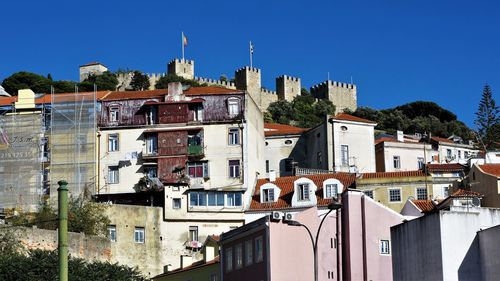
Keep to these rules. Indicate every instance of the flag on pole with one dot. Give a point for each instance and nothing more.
(184, 40)
(251, 47)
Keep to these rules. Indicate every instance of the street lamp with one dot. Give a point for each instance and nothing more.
(332, 206)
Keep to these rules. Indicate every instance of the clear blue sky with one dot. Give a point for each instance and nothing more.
(396, 51)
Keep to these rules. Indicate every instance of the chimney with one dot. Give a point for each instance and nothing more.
(186, 261)
(399, 135)
(174, 91)
(272, 176)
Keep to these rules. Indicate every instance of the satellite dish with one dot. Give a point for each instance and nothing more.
(476, 202)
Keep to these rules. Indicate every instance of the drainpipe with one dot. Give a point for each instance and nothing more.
(363, 231)
(63, 230)
(98, 162)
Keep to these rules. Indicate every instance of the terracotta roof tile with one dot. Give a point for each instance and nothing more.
(47, 98)
(272, 129)
(127, 95)
(7, 100)
(424, 205)
(454, 167)
(286, 184)
(465, 193)
(401, 174)
(439, 139)
(492, 169)
(349, 117)
(195, 265)
(214, 90)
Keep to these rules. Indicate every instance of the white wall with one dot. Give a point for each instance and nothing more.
(408, 154)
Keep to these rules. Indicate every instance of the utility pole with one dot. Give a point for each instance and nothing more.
(63, 229)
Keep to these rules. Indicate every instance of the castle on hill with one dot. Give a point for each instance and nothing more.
(342, 95)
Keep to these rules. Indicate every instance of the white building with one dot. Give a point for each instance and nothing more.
(449, 151)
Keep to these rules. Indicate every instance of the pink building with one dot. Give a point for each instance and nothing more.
(268, 248)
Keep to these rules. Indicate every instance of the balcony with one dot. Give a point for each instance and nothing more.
(195, 150)
(149, 154)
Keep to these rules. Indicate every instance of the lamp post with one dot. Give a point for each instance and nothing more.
(331, 207)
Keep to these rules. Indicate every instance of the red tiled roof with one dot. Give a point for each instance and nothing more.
(286, 184)
(214, 90)
(127, 95)
(401, 174)
(454, 167)
(424, 205)
(216, 238)
(47, 98)
(439, 139)
(7, 100)
(349, 117)
(492, 169)
(195, 265)
(272, 129)
(392, 139)
(92, 63)
(465, 193)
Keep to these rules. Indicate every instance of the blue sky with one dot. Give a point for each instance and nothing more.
(395, 51)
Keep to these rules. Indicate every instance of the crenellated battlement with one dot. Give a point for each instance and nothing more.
(155, 75)
(248, 68)
(182, 61)
(342, 95)
(330, 83)
(288, 78)
(267, 91)
(209, 81)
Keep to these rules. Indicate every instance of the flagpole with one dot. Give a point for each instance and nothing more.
(251, 53)
(182, 44)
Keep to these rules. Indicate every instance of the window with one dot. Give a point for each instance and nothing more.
(139, 235)
(193, 233)
(289, 165)
(331, 190)
(459, 154)
(238, 252)
(113, 142)
(446, 191)
(197, 198)
(233, 107)
(151, 172)
(344, 152)
(151, 145)
(368, 193)
(151, 116)
(343, 128)
(176, 203)
(113, 174)
(466, 154)
(248, 252)
(448, 153)
(234, 136)
(385, 247)
(234, 168)
(215, 199)
(259, 254)
(234, 199)
(198, 113)
(421, 193)
(396, 160)
(268, 195)
(229, 259)
(288, 142)
(420, 163)
(267, 166)
(198, 169)
(303, 192)
(114, 114)
(394, 195)
(112, 233)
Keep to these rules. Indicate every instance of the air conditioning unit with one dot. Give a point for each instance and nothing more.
(276, 215)
(288, 217)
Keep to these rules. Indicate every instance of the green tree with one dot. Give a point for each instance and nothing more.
(26, 80)
(105, 81)
(162, 83)
(43, 265)
(281, 111)
(487, 117)
(139, 81)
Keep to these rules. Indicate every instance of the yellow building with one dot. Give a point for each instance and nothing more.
(392, 189)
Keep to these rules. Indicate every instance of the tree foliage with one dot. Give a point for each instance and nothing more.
(304, 111)
(43, 265)
(416, 117)
(37, 83)
(140, 81)
(105, 81)
(83, 216)
(162, 83)
(488, 118)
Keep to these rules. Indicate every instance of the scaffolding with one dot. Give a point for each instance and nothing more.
(21, 149)
(73, 142)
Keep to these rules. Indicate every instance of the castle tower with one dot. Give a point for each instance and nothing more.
(342, 95)
(181, 67)
(91, 68)
(248, 79)
(287, 87)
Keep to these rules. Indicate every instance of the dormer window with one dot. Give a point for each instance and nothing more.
(303, 192)
(331, 190)
(151, 116)
(268, 195)
(114, 114)
(233, 106)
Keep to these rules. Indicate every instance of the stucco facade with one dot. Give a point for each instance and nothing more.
(485, 179)
(395, 156)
